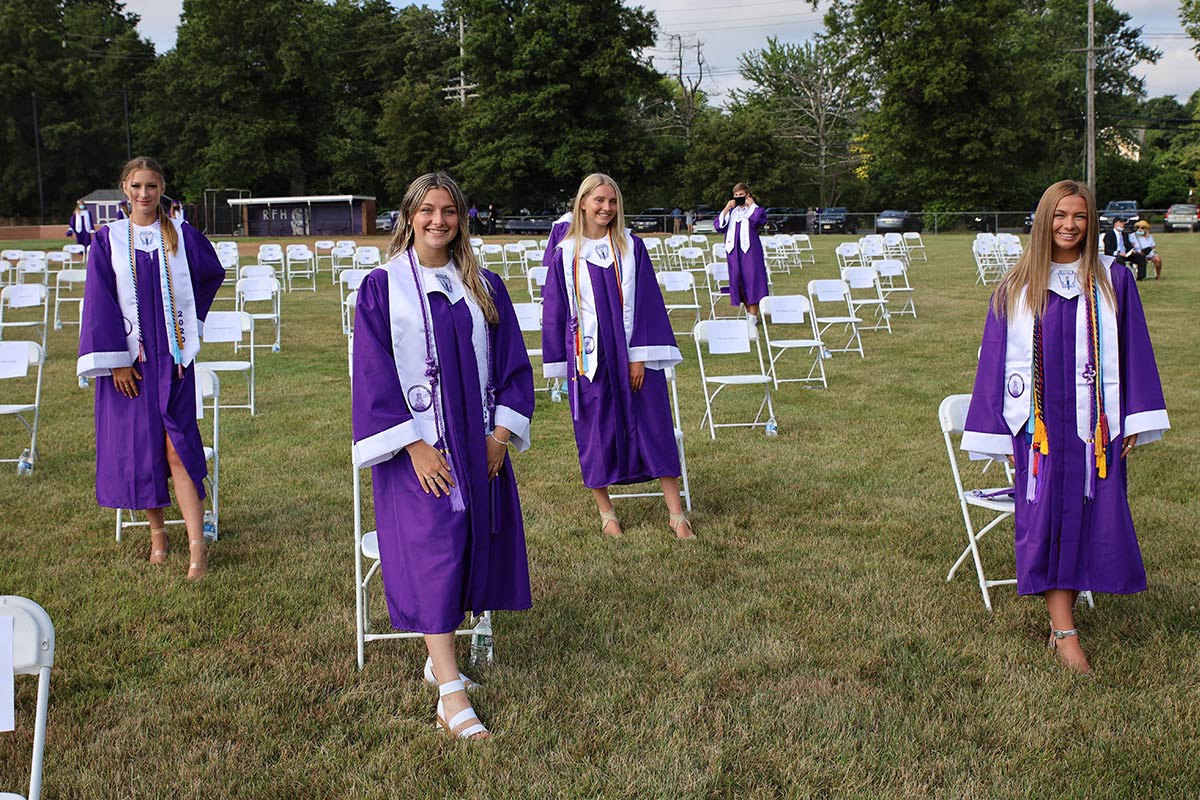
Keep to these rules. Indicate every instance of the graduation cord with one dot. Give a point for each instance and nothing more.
(1039, 442)
(177, 341)
(1094, 374)
(137, 309)
(576, 328)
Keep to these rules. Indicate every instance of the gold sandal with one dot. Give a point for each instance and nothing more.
(676, 522)
(607, 517)
(198, 567)
(158, 555)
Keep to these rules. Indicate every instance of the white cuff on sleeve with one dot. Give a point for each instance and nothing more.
(658, 356)
(996, 445)
(1148, 425)
(517, 424)
(97, 365)
(381, 446)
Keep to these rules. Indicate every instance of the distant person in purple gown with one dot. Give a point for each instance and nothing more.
(176, 212)
(442, 386)
(739, 221)
(150, 283)
(1066, 386)
(122, 210)
(605, 331)
(557, 231)
(81, 225)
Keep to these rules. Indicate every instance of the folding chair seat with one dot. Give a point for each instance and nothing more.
(679, 292)
(535, 281)
(348, 283)
(790, 315)
(366, 566)
(528, 244)
(236, 328)
(998, 502)
(342, 258)
(257, 271)
(685, 489)
(76, 254)
(726, 338)
(717, 281)
(698, 240)
(68, 288)
(691, 259)
(848, 255)
(829, 299)
(323, 254)
(24, 310)
(353, 245)
(20, 392)
(491, 257)
(208, 401)
(271, 255)
(866, 295)
(914, 244)
(893, 280)
(263, 294)
(302, 264)
(32, 653)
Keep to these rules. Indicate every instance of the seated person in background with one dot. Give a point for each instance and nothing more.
(1143, 240)
(1117, 243)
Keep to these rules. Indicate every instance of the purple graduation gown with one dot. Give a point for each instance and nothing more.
(1063, 540)
(557, 232)
(77, 229)
(622, 436)
(747, 271)
(131, 455)
(437, 563)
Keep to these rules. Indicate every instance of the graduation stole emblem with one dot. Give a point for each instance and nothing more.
(584, 349)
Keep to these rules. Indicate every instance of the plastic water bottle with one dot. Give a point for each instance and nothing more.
(825, 354)
(274, 348)
(210, 527)
(83, 382)
(482, 650)
(25, 463)
(772, 427)
(556, 393)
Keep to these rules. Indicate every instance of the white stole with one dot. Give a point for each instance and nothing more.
(405, 300)
(598, 252)
(1018, 361)
(82, 221)
(729, 220)
(181, 280)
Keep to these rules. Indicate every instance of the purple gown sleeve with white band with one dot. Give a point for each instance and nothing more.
(622, 436)
(1065, 540)
(131, 454)
(744, 254)
(439, 563)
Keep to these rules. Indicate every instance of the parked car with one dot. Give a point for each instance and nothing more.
(1126, 209)
(652, 220)
(1027, 223)
(837, 219)
(386, 220)
(1182, 216)
(898, 222)
(704, 219)
(533, 223)
(785, 220)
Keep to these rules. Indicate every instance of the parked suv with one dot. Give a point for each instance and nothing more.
(1182, 217)
(837, 220)
(785, 220)
(652, 220)
(1126, 209)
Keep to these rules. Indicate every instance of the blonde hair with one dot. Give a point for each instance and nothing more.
(170, 236)
(616, 225)
(403, 237)
(741, 187)
(1029, 279)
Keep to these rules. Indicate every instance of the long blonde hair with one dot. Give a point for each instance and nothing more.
(170, 236)
(403, 236)
(616, 224)
(1029, 279)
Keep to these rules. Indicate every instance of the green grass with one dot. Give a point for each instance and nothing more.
(806, 646)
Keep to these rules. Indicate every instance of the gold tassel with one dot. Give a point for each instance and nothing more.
(1041, 441)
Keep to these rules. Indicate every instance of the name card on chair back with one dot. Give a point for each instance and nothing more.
(14, 359)
(729, 336)
(24, 295)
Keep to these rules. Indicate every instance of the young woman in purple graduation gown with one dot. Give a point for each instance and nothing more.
(442, 386)
(150, 282)
(739, 221)
(605, 331)
(1066, 387)
(80, 226)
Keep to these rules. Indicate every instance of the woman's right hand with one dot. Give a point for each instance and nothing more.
(431, 468)
(729, 205)
(125, 379)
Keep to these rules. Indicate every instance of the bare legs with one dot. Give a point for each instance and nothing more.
(192, 508)
(445, 669)
(1060, 603)
(670, 487)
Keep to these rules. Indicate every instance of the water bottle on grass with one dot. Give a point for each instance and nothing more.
(482, 651)
(25, 463)
(772, 427)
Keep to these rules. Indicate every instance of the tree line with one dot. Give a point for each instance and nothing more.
(924, 104)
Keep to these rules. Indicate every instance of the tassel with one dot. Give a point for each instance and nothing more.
(1101, 452)
(1089, 487)
(1031, 480)
(141, 353)
(1041, 440)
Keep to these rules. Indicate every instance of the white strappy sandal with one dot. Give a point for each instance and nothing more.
(431, 679)
(461, 718)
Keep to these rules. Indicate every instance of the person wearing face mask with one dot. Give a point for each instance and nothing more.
(1065, 387)
(81, 225)
(605, 332)
(1144, 242)
(739, 221)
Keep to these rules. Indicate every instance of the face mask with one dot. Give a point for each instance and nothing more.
(739, 201)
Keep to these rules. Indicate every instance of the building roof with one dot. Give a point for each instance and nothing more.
(278, 201)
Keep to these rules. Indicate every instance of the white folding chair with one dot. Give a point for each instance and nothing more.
(698, 240)
(341, 258)
(718, 251)
(871, 248)
(348, 282)
(76, 254)
(257, 271)
(529, 318)
(271, 255)
(893, 280)
(260, 298)
(514, 255)
(367, 257)
(232, 327)
(56, 262)
(230, 261)
(24, 308)
(533, 258)
(654, 248)
(366, 565)
(679, 292)
(830, 302)
(301, 264)
(491, 257)
(68, 288)
(208, 401)
(775, 255)
(535, 281)
(691, 259)
(685, 490)
(848, 255)
(716, 276)
(32, 268)
(9, 259)
(866, 294)
(323, 253)
(227, 247)
(914, 244)
(793, 314)
(893, 246)
(998, 501)
(353, 245)
(20, 392)
(722, 339)
(32, 654)
(671, 247)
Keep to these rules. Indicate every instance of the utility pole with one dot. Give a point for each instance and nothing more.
(128, 133)
(1091, 97)
(37, 148)
(462, 89)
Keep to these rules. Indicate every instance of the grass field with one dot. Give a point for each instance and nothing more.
(806, 646)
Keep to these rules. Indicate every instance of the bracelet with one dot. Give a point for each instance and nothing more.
(492, 436)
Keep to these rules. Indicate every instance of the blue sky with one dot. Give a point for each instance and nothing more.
(730, 28)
